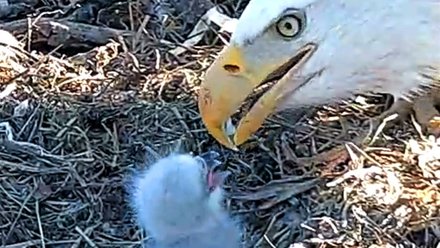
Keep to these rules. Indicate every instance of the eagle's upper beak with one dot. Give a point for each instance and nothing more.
(228, 82)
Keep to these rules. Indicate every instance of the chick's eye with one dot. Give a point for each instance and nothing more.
(289, 26)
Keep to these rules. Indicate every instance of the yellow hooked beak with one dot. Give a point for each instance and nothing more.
(228, 82)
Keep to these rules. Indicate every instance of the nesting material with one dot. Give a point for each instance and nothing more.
(73, 127)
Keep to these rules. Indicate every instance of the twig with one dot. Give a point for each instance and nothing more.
(57, 31)
(40, 227)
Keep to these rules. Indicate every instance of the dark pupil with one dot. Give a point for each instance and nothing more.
(288, 25)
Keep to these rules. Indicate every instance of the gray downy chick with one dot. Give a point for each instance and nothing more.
(177, 200)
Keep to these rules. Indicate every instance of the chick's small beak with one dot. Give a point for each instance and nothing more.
(227, 83)
(209, 157)
(214, 178)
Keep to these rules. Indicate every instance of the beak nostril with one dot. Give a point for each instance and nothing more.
(231, 68)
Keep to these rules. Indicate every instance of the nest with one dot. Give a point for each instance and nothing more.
(75, 119)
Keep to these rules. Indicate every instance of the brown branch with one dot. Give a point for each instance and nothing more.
(58, 32)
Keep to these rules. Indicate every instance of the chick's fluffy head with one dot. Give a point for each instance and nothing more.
(172, 198)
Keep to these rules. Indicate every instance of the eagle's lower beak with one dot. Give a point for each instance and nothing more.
(227, 83)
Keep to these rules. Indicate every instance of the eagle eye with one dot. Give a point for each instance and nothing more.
(290, 25)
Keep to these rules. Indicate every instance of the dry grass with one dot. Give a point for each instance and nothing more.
(71, 128)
